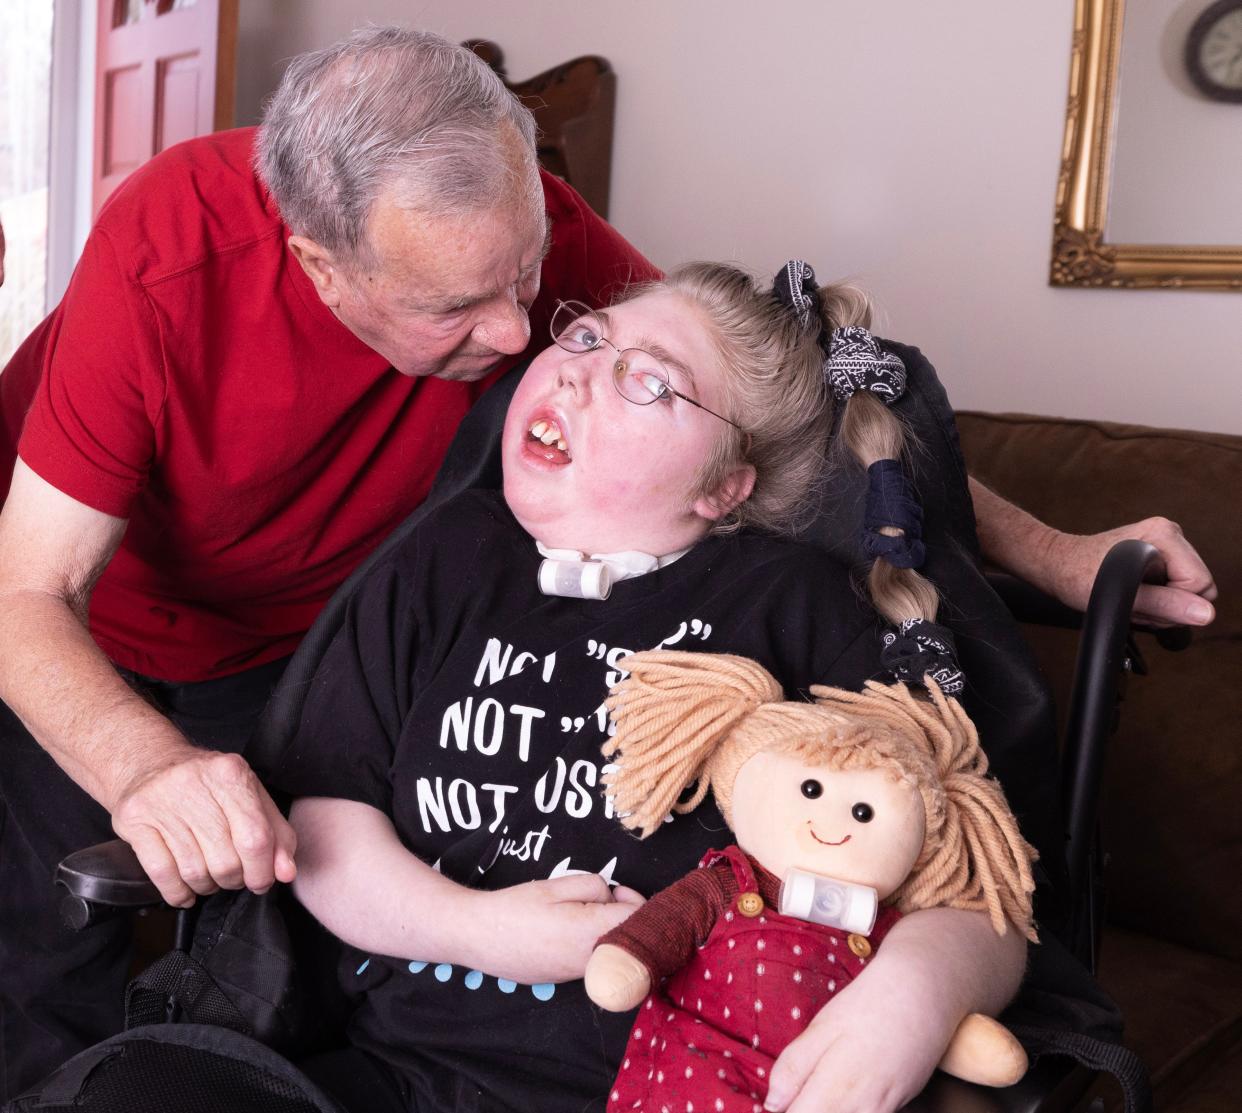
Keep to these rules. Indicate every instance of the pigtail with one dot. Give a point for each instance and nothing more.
(865, 379)
(671, 713)
(973, 855)
(873, 434)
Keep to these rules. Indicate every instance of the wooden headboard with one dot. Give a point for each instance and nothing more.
(573, 105)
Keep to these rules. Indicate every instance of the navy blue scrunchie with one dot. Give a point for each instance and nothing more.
(891, 501)
(919, 648)
(796, 289)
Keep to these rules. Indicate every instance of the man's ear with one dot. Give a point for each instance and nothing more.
(320, 268)
(734, 490)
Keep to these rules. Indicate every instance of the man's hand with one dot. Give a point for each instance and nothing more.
(545, 931)
(1183, 600)
(203, 822)
(1064, 564)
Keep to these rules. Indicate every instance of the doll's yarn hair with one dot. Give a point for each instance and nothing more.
(687, 719)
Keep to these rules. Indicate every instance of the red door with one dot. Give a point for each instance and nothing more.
(163, 73)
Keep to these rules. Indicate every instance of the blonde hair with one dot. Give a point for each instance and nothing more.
(696, 718)
(772, 385)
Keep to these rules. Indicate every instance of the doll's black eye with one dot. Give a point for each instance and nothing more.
(812, 790)
(862, 812)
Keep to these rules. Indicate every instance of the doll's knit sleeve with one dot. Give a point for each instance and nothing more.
(665, 931)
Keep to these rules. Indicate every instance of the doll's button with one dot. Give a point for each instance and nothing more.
(750, 904)
(859, 945)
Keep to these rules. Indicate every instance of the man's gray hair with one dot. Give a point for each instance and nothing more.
(388, 106)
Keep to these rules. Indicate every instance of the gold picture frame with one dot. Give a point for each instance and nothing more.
(1080, 254)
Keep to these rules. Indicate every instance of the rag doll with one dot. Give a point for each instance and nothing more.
(850, 810)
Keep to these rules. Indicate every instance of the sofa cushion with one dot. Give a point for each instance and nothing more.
(1183, 1011)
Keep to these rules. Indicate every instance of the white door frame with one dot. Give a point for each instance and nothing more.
(72, 136)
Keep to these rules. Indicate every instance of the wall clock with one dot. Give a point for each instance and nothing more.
(1214, 51)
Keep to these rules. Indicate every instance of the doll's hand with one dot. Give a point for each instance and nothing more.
(544, 931)
(872, 1048)
(985, 1052)
(615, 979)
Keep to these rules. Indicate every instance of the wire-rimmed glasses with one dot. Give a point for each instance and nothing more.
(638, 375)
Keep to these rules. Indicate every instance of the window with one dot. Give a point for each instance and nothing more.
(25, 111)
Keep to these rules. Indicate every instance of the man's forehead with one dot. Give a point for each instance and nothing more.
(461, 256)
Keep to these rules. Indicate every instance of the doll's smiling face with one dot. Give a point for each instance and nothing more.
(860, 826)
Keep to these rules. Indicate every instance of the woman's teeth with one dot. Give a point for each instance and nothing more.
(549, 433)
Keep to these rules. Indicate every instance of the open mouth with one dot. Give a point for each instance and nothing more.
(545, 439)
(825, 842)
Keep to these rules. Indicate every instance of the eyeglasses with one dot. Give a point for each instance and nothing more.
(638, 376)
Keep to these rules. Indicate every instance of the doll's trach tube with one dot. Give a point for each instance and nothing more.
(824, 900)
(575, 579)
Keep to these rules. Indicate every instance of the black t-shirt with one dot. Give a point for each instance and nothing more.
(468, 706)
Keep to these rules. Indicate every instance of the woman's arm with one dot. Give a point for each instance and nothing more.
(874, 1046)
(359, 880)
(1064, 564)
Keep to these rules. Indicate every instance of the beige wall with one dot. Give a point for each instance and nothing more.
(913, 147)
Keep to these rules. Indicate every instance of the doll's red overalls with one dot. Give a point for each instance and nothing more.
(705, 1041)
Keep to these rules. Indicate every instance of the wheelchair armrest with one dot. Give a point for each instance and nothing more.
(102, 880)
(1030, 605)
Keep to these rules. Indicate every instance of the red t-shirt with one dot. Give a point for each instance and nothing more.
(192, 382)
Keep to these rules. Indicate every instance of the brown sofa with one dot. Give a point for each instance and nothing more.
(1172, 807)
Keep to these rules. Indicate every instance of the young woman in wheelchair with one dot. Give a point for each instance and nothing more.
(448, 764)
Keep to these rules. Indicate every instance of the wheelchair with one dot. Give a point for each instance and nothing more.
(192, 1017)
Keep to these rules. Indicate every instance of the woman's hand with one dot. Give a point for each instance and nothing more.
(545, 931)
(873, 1047)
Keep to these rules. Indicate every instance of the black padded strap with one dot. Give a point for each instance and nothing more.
(1099, 1055)
(66, 1085)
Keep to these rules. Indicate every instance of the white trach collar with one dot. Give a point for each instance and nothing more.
(578, 575)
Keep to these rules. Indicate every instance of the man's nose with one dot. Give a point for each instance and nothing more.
(505, 327)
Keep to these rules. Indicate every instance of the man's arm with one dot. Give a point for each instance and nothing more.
(197, 819)
(1064, 564)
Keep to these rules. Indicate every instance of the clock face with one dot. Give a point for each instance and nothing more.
(1214, 51)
